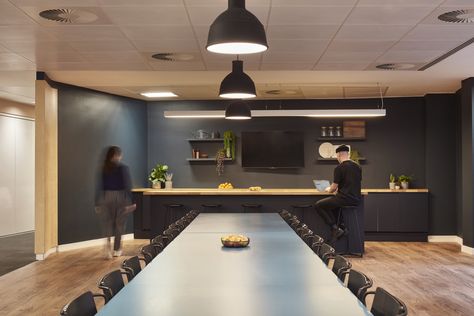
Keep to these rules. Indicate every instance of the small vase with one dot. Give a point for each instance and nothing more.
(168, 184)
(156, 185)
(391, 185)
(404, 185)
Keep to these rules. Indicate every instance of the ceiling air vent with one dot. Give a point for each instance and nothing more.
(68, 16)
(458, 16)
(173, 56)
(395, 66)
(280, 92)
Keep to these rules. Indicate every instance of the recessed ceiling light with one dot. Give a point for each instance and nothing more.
(161, 94)
(458, 16)
(396, 66)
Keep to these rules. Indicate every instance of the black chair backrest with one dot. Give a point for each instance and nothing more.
(326, 252)
(132, 267)
(111, 284)
(83, 305)
(148, 252)
(316, 243)
(341, 266)
(358, 283)
(385, 304)
(159, 240)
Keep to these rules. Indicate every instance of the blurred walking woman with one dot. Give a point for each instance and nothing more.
(114, 200)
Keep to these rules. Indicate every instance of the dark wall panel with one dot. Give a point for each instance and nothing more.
(88, 121)
(395, 144)
(441, 162)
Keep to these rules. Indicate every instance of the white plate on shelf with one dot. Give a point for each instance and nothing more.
(327, 150)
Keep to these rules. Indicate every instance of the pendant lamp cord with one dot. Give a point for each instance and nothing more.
(381, 96)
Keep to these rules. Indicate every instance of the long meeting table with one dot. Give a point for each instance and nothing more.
(276, 275)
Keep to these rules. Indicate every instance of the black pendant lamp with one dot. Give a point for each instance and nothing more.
(236, 31)
(238, 110)
(237, 84)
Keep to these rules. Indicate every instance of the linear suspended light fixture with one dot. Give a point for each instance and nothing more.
(342, 113)
(236, 31)
(237, 84)
(238, 110)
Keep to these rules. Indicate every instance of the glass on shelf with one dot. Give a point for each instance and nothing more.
(331, 131)
(323, 131)
(338, 131)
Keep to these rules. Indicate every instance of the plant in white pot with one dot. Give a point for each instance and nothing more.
(391, 184)
(405, 181)
(168, 180)
(157, 175)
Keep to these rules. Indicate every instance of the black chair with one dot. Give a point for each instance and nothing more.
(303, 230)
(132, 267)
(211, 208)
(326, 252)
(174, 211)
(358, 283)
(172, 233)
(354, 234)
(160, 240)
(148, 252)
(83, 305)
(315, 243)
(295, 224)
(341, 266)
(111, 284)
(385, 304)
(251, 208)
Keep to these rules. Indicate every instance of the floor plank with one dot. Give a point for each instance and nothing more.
(16, 251)
(432, 279)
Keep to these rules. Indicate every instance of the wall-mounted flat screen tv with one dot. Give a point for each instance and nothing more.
(273, 149)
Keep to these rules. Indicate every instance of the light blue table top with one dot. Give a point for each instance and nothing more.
(277, 275)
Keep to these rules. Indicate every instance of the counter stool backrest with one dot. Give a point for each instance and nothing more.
(83, 305)
(132, 267)
(358, 283)
(316, 243)
(148, 252)
(385, 304)
(341, 266)
(326, 252)
(111, 284)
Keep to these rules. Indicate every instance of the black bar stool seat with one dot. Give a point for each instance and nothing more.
(251, 207)
(211, 208)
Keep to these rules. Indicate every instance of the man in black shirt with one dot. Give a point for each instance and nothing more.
(347, 185)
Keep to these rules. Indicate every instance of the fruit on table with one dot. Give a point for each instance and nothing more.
(226, 185)
(235, 241)
(255, 188)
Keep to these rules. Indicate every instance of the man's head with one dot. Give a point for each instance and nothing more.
(342, 153)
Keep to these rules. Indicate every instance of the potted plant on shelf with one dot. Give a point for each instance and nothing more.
(405, 181)
(168, 180)
(229, 144)
(391, 184)
(157, 175)
(220, 156)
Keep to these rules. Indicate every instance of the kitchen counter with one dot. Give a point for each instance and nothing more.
(242, 191)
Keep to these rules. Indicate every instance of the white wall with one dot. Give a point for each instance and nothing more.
(16, 174)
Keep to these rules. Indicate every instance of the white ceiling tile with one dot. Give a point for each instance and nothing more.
(391, 15)
(86, 16)
(286, 45)
(349, 57)
(426, 32)
(457, 3)
(227, 67)
(404, 3)
(170, 15)
(372, 32)
(118, 66)
(189, 66)
(116, 57)
(85, 33)
(166, 46)
(153, 32)
(54, 3)
(359, 46)
(322, 92)
(37, 46)
(302, 31)
(426, 45)
(63, 66)
(4, 49)
(290, 57)
(286, 66)
(24, 33)
(14, 66)
(11, 15)
(341, 66)
(409, 56)
(213, 57)
(223, 4)
(11, 58)
(308, 15)
(433, 17)
(52, 56)
(129, 3)
(315, 2)
(205, 15)
(102, 46)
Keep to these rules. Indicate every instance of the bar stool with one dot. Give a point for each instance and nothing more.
(173, 212)
(349, 219)
(251, 208)
(211, 208)
(298, 210)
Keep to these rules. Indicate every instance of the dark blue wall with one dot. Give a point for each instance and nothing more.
(88, 121)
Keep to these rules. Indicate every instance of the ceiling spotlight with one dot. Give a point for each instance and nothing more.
(236, 31)
(161, 94)
(237, 84)
(238, 110)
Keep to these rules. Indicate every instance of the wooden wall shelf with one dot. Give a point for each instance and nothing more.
(213, 159)
(361, 159)
(348, 139)
(204, 140)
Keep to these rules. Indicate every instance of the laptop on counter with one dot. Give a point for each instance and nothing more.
(321, 185)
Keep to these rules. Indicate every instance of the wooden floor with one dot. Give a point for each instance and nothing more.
(432, 279)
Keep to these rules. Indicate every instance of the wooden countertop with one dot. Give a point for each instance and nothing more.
(241, 191)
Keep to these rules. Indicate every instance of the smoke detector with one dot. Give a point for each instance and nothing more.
(173, 56)
(458, 16)
(393, 66)
(68, 15)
